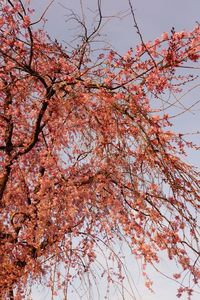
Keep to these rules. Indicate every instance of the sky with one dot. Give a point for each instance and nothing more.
(153, 17)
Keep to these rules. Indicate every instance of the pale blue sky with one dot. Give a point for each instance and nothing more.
(153, 18)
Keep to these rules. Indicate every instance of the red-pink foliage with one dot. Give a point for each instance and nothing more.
(83, 154)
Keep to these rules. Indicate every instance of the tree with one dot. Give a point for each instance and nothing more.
(84, 157)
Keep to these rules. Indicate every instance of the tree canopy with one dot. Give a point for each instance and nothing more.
(86, 158)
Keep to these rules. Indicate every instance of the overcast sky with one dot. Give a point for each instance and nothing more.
(154, 17)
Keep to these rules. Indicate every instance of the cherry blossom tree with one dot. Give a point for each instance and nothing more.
(85, 157)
